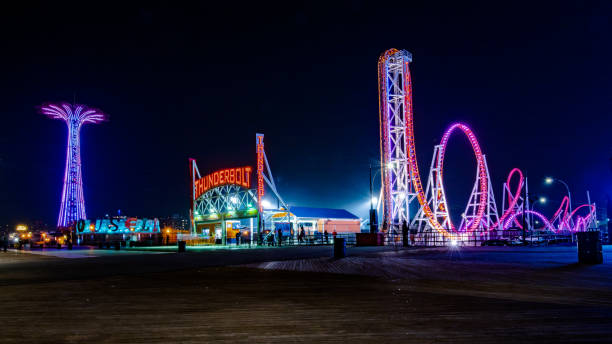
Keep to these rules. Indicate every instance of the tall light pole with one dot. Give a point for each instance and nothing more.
(542, 200)
(373, 219)
(371, 205)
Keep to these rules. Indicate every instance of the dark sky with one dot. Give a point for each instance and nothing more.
(533, 80)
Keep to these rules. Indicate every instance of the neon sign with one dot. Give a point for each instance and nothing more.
(240, 176)
(260, 170)
(126, 225)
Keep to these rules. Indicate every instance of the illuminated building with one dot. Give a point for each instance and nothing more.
(316, 221)
(72, 207)
(176, 222)
(229, 202)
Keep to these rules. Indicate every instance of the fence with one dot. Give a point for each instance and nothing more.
(308, 240)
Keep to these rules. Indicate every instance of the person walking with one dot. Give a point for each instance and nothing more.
(238, 238)
(271, 239)
(326, 236)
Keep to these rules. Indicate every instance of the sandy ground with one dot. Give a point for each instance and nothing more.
(390, 296)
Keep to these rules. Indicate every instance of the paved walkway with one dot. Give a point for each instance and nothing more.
(83, 252)
(476, 295)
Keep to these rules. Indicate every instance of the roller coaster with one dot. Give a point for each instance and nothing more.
(402, 187)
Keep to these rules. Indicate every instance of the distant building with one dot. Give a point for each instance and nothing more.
(176, 222)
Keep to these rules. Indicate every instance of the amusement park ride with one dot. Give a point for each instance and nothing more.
(402, 185)
(227, 195)
(72, 207)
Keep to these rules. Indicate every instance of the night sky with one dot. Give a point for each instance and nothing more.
(534, 81)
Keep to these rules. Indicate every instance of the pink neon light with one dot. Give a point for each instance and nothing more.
(532, 212)
(482, 204)
(509, 215)
(512, 200)
(411, 150)
(564, 207)
(581, 222)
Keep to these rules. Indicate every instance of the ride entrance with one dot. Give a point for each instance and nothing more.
(225, 206)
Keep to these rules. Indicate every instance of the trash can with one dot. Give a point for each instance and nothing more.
(339, 248)
(181, 246)
(589, 248)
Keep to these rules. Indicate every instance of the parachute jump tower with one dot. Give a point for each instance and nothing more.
(72, 207)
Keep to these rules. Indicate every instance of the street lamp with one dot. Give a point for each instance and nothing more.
(373, 199)
(541, 200)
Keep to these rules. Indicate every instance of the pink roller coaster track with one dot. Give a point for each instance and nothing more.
(509, 215)
(482, 204)
(412, 159)
(561, 216)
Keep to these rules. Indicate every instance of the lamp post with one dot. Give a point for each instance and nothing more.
(373, 219)
(371, 202)
(541, 200)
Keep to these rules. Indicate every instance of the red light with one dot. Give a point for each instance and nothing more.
(260, 170)
(240, 176)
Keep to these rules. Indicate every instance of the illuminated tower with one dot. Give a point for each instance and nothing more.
(395, 112)
(72, 207)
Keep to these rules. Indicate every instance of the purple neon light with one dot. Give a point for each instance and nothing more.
(531, 212)
(72, 207)
(581, 222)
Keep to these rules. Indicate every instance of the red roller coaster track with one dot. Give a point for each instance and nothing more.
(411, 150)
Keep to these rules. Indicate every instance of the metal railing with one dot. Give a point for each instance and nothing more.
(308, 240)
